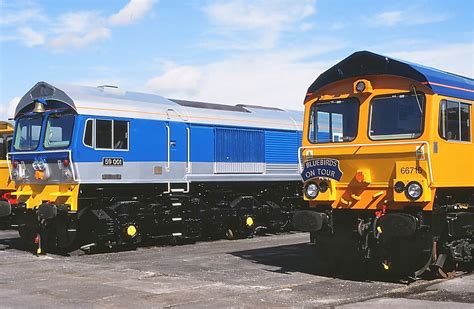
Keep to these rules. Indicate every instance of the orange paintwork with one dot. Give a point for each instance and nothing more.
(452, 165)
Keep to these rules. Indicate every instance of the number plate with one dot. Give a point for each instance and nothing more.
(112, 161)
(411, 170)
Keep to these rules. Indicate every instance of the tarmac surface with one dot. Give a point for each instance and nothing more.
(266, 271)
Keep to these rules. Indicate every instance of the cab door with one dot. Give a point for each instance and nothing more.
(178, 149)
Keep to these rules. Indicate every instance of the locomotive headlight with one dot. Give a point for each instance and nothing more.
(360, 86)
(311, 190)
(35, 165)
(41, 166)
(414, 190)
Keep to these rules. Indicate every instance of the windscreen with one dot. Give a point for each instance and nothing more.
(58, 130)
(333, 121)
(28, 131)
(397, 117)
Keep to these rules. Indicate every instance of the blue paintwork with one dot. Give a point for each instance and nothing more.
(208, 143)
(435, 77)
(280, 146)
(239, 145)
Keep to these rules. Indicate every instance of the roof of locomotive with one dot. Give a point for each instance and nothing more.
(113, 101)
(365, 63)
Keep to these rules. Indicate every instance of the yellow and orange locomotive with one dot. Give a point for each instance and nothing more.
(388, 163)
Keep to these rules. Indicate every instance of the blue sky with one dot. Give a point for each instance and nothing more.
(264, 52)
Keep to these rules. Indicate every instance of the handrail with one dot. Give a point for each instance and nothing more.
(185, 118)
(300, 165)
(42, 152)
(184, 190)
(168, 145)
(188, 163)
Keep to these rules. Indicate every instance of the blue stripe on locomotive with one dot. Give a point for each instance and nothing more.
(148, 142)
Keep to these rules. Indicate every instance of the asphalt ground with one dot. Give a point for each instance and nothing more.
(266, 271)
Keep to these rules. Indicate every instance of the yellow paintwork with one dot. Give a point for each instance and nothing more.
(34, 194)
(6, 184)
(381, 160)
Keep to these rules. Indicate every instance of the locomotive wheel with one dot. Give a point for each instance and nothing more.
(58, 235)
(406, 256)
(28, 231)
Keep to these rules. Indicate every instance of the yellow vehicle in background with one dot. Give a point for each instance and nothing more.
(7, 186)
(388, 165)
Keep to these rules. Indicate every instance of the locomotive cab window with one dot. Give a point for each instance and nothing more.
(397, 116)
(58, 131)
(333, 121)
(88, 133)
(120, 134)
(455, 121)
(28, 130)
(107, 134)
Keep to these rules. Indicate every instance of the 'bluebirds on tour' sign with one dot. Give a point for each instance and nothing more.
(322, 168)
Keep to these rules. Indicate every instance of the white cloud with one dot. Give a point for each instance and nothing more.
(182, 81)
(133, 11)
(338, 25)
(78, 30)
(256, 24)
(274, 14)
(306, 26)
(388, 18)
(78, 22)
(455, 58)
(69, 30)
(73, 40)
(408, 17)
(278, 79)
(7, 110)
(20, 17)
(31, 37)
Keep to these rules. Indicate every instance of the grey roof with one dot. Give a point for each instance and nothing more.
(113, 101)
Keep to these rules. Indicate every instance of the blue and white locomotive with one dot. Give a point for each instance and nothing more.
(107, 166)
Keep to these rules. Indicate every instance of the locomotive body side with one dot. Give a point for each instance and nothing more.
(385, 156)
(136, 166)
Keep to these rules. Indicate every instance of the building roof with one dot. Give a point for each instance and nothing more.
(364, 63)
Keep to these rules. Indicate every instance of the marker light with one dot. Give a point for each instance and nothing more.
(311, 190)
(66, 162)
(360, 86)
(131, 230)
(399, 187)
(15, 164)
(323, 186)
(413, 190)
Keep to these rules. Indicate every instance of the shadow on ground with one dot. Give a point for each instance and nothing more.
(13, 241)
(310, 259)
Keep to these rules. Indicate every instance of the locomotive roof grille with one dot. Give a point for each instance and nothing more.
(364, 63)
